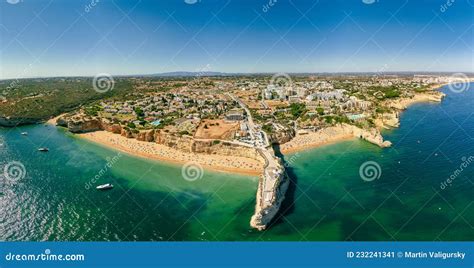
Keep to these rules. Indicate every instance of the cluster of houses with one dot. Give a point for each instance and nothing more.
(181, 109)
(188, 102)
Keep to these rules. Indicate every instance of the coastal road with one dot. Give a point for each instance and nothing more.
(272, 169)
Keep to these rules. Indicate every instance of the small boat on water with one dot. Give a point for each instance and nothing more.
(43, 149)
(106, 186)
(24, 133)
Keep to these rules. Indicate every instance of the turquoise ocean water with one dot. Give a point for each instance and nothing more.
(328, 200)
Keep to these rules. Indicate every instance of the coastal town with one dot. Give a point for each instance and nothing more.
(152, 133)
(231, 123)
(249, 111)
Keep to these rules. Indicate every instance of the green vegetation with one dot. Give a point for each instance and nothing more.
(336, 119)
(320, 110)
(40, 99)
(268, 128)
(382, 110)
(297, 109)
(184, 132)
(93, 110)
(139, 112)
(385, 92)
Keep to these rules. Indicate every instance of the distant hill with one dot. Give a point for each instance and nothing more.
(190, 74)
(199, 74)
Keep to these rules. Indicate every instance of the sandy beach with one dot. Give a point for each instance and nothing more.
(314, 139)
(151, 150)
(52, 121)
(236, 164)
(404, 103)
(340, 133)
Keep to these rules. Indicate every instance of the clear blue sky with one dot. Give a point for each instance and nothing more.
(64, 38)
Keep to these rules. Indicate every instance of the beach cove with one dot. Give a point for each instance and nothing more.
(329, 202)
(249, 166)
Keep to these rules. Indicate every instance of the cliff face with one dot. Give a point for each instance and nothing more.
(281, 136)
(388, 120)
(187, 144)
(84, 125)
(13, 122)
(110, 126)
(225, 148)
(403, 103)
(372, 135)
(266, 210)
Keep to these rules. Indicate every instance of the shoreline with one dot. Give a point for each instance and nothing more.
(53, 120)
(154, 151)
(310, 146)
(233, 164)
(315, 137)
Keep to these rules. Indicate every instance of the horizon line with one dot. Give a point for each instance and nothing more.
(218, 73)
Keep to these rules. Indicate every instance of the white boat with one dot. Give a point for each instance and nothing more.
(24, 133)
(43, 149)
(106, 186)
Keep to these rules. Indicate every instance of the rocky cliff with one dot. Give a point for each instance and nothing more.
(388, 120)
(13, 122)
(82, 124)
(281, 136)
(266, 210)
(372, 135)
